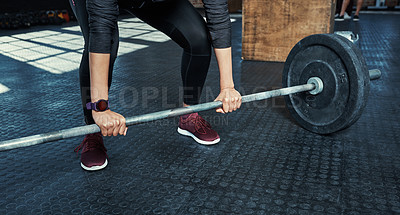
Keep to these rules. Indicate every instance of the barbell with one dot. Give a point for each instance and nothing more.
(325, 84)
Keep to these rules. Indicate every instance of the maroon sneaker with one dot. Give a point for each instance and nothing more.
(193, 125)
(94, 154)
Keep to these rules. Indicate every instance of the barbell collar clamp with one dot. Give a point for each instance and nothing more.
(319, 85)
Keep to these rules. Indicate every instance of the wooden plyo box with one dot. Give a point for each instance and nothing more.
(234, 5)
(272, 28)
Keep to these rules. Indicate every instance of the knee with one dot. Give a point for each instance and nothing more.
(200, 43)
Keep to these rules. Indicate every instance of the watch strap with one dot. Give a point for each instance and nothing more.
(93, 105)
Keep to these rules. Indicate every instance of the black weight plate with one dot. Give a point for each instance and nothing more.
(342, 69)
(364, 77)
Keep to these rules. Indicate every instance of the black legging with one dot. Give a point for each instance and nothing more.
(176, 18)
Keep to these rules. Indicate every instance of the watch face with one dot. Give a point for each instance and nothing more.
(102, 105)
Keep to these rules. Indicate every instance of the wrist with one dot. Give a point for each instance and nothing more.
(97, 98)
(98, 106)
(227, 86)
(226, 83)
(100, 112)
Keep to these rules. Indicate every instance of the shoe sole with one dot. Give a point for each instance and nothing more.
(356, 20)
(187, 133)
(94, 168)
(339, 20)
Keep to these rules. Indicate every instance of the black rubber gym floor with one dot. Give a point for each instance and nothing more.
(264, 164)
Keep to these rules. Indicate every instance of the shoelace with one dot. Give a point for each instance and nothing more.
(201, 124)
(92, 142)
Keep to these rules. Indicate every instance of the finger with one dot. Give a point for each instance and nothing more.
(236, 103)
(231, 104)
(240, 102)
(122, 128)
(110, 132)
(115, 131)
(110, 128)
(219, 110)
(116, 128)
(104, 129)
(225, 105)
(126, 130)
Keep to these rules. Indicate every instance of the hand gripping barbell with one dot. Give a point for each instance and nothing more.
(325, 80)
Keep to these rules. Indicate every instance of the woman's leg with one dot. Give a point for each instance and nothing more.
(359, 5)
(349, 8)
(344, 6)
(338, 6)
(79, 8)
(183, 24)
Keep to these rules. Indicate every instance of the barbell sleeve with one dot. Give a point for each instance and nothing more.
(374, 74)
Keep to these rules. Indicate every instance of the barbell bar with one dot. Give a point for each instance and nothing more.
(90, 129)
(312, 85)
